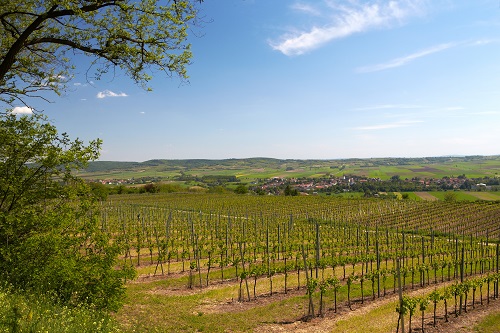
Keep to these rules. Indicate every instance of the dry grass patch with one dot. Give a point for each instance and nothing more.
(485, 195)
(426, 196)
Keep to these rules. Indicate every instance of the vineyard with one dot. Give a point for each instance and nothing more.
(235, 263)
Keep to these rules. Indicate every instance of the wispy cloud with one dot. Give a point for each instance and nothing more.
(306, 8)
(80, 84)
(347, 18)
(485, 113)
(109, 93)
(22, 110)
(404, 60)
(453, 108)
(389, 106)
(404, 123)
(397, 62)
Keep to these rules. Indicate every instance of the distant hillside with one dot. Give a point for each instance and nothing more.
(189, 164)
(259, 167)
(105, 166)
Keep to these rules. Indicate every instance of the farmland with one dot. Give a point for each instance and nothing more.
(251, 169)
(219, 263)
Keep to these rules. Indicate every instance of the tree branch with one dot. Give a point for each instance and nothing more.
(52, 13)
(70, 43)
(10, 57)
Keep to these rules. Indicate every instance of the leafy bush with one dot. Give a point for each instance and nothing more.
(50, 239)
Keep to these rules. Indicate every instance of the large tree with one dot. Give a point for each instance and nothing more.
(38, 39)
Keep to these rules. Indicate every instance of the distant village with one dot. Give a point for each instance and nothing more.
(328, 185)
(375, 185)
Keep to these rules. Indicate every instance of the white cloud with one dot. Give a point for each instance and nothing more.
(22, 110)
(109, 93)
(387, 126)
(404, 60)
(345, 19)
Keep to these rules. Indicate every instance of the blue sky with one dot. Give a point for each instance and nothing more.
(319, 79)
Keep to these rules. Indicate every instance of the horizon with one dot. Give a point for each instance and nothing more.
(298, 159)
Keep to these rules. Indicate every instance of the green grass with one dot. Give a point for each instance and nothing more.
(487, 195)
(490, 324)
(35, 313)
(151, 308)
(382, 319)
(459, 195)
(413, 196)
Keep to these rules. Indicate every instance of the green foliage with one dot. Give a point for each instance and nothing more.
(49, 234)
(29, 313)
(99, 190)
(170, 188)
(450, 196)
(135, 36)
(217, 189)
(150, 188)
(241, 189)
(289, 191)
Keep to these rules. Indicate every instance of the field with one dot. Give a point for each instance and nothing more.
(229, 263)
(251, 169)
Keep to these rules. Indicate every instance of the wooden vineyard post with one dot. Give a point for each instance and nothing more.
(496, 284)
(400, 291)
(209, 264)
(378, 263)
(367, 250)
(285, 268)
(196, 257)
(455, 271)
(317, 249)
(138, 240)
(310, 311)
(161, 253)
(244, 272)
(461, 280)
